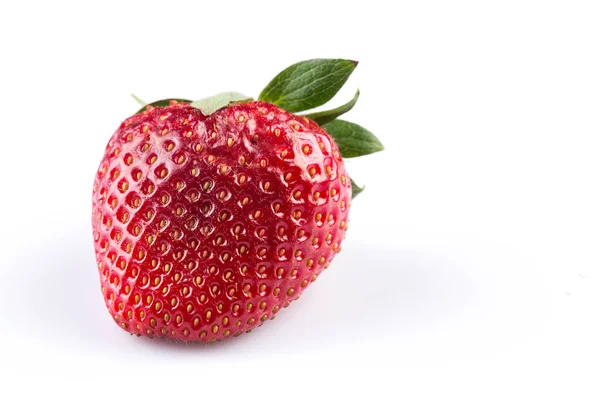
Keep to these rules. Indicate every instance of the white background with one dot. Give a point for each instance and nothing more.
(471, 267)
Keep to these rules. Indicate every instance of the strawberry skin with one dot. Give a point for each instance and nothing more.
(206, 226)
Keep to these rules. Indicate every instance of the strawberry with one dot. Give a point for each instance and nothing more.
(210, 217)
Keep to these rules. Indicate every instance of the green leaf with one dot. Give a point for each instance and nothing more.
(353, 140)
(308, 84)
(324, 117)
(211, 104)
(161, 103)
(355, 188)
(138, 100)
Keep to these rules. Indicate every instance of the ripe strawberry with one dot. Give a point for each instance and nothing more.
(206, 224)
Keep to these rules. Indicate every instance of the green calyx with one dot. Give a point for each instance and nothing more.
(307, 84)
(312, 83)
(353, 140)
(209, 105)
(323, 117)
(301, 87)
(355, 188)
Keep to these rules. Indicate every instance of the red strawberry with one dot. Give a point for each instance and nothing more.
(205, 226)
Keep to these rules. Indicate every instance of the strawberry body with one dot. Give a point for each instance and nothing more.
(207, 226)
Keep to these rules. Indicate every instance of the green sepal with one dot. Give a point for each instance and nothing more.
(307, 84)
(353, 140)
(139, 101)
(323, 117)
(355, 188)
(211, 104)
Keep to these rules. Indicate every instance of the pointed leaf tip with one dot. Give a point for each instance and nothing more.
(211, 104)
(355, 188)
(323, 117)
(352, 139)
(307, 84)
(139, 101)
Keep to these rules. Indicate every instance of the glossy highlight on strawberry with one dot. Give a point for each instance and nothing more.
(207, 226)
